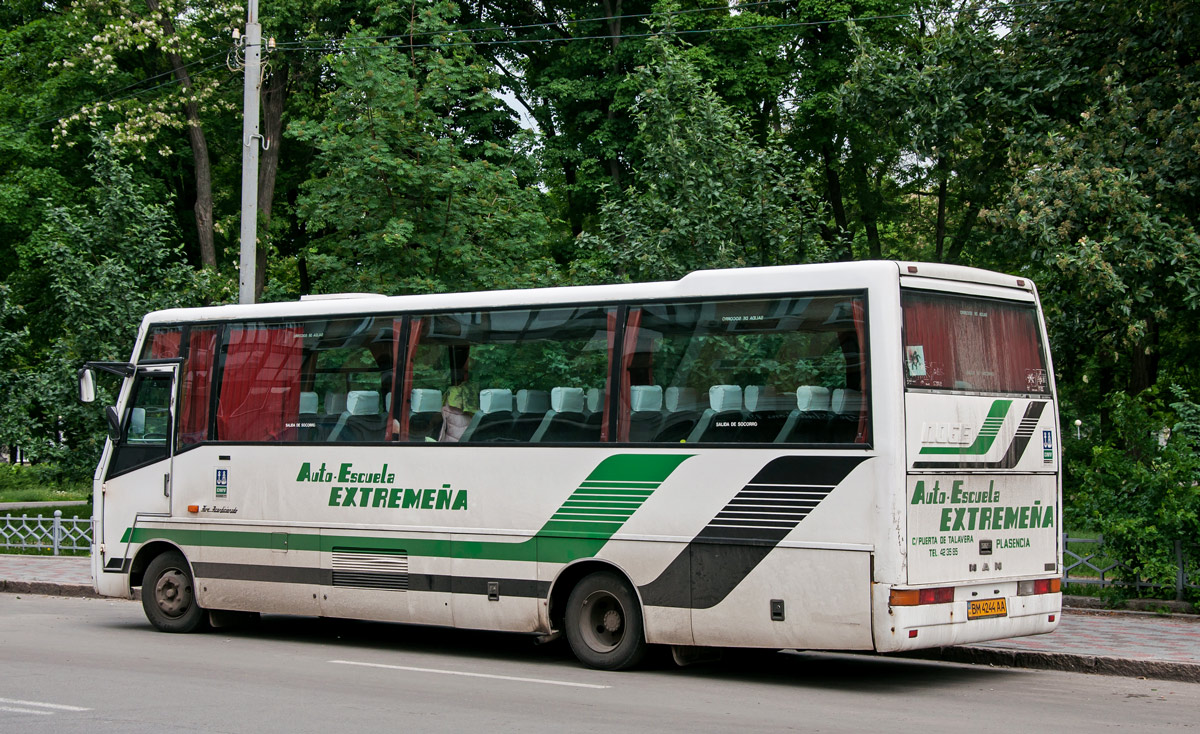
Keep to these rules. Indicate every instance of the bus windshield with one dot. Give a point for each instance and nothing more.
(955, 342)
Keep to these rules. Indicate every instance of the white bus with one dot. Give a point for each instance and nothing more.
(850, 456)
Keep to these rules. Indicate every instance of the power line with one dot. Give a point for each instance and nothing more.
(348, 44)
(556, 24)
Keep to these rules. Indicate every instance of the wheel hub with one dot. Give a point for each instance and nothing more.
(171, 593)
(612, 620)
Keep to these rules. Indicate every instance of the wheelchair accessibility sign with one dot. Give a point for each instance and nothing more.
(222, 481)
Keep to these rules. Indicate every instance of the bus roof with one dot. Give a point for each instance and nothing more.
(701, 283)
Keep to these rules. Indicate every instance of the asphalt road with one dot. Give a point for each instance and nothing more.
(95, 665)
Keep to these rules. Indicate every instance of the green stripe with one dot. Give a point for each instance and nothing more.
(986, 437)
(578, 529)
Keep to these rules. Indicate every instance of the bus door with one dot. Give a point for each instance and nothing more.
(138, 478)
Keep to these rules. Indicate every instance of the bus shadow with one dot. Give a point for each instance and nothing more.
(820, 670)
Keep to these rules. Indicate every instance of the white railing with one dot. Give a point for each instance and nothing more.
(46, 533)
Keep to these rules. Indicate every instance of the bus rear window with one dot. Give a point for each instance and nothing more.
(954, 342)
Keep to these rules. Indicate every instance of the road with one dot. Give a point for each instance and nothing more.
(96, 665)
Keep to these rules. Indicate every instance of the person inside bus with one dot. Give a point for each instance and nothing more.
(460, 403)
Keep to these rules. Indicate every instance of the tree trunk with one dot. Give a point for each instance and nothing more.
(939, 230)
(868, 206)
(203, 169)
(274, 94)
(613, 11)
(1145, 360)
(833, 193)
(970, 217)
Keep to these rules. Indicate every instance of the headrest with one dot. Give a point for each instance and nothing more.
(567, 399)
(426, 401)
(812, 398)
(308, 402)
(495, 400)
(533, 401)
(387, 402)
(335, 402)
(762, 398)
(846, 402)
(137, 422)
(645, 398)
(362, 402)
(680, 398)
(725, 397)
(595, 399)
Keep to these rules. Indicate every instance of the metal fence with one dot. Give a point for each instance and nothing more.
(1093, 568)
(46, 533)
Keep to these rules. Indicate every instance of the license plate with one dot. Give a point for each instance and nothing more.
(980, 608)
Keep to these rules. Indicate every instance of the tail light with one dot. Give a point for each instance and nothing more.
(915, 597)
(1039, 586)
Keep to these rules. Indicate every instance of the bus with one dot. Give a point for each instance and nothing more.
(847, 456)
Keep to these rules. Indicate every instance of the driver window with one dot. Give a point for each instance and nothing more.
(146, 425)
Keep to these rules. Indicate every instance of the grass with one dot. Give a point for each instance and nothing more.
(20, 483)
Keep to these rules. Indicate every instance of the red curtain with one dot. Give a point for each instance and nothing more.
(164, 344)
(260, 385)
(628, 347)
(612, 341)
(860, 332)
(403, 390)
(972, 344)
(197, 386)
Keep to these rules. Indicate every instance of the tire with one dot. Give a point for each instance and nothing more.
(168, 594)
(604, 623)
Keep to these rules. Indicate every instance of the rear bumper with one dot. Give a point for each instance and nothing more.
(938, 625)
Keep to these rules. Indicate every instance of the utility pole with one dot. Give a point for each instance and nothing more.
(251, 139)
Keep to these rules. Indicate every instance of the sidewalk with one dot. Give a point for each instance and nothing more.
(1086, 641)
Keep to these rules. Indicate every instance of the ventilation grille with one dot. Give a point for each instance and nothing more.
(370, 569)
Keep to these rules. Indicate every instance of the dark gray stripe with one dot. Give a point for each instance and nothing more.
(325, 577)
(737, 539)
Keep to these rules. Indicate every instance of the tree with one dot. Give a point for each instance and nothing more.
(410, 191)
(96, 270)
(705, 194)
(188, 39)
(933, 117)
(1108, 204)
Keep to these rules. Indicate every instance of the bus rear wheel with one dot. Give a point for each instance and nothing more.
(604, 623)
(168, 594)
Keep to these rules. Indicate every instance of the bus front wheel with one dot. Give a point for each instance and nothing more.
(604, 623)
(168, 594)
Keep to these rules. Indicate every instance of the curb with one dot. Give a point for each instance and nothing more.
(47, 588)
(54, 588)
(1157, 607)
(1067, 662)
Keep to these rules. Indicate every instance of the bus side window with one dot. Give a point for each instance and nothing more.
(508, 376)
(733, 371)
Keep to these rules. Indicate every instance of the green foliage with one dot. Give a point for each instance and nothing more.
(411, 192)
(706, 195)
(87, 277)
(1139, 486)
(1106, 208)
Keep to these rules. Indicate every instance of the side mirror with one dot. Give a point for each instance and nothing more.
(114, 423)
(87, 385)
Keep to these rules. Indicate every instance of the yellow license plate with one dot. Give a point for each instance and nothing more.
(980, 608)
